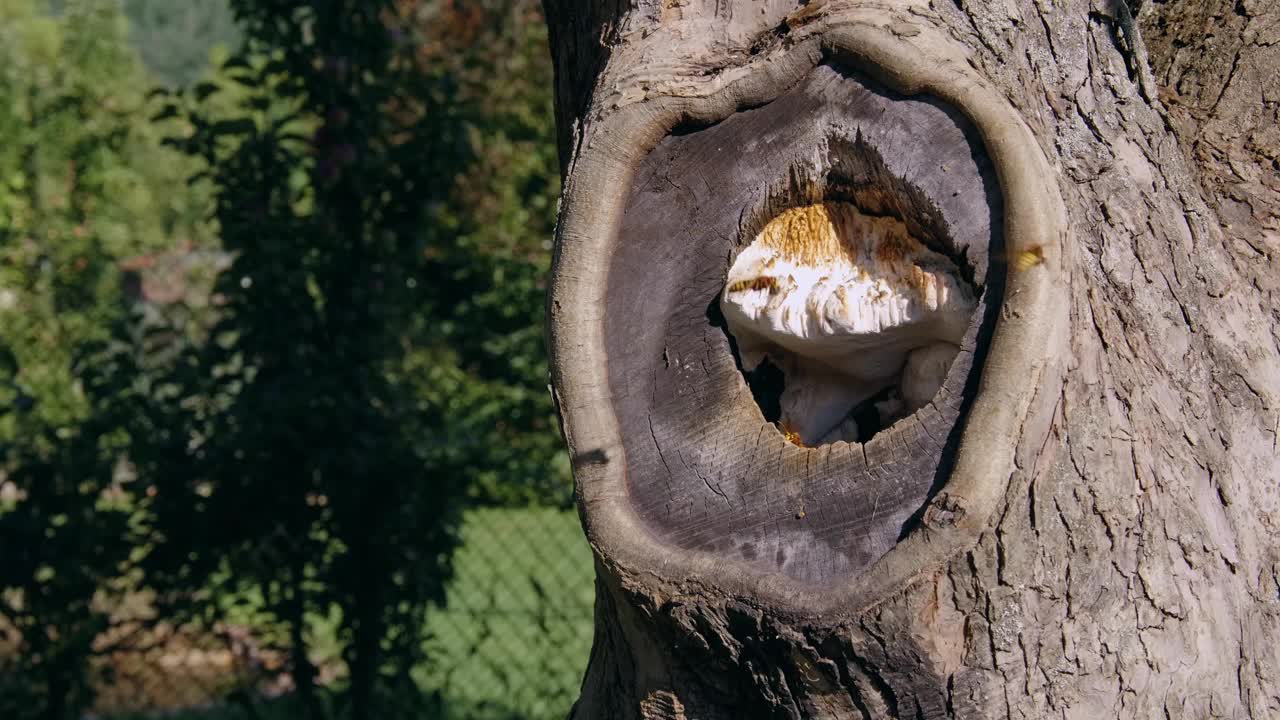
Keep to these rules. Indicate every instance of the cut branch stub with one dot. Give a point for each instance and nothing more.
(834, 188)
(776, 313)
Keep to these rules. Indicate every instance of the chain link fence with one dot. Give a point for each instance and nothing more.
(511, 642)
(514, 638)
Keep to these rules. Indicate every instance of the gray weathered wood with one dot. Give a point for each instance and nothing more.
(706, 471)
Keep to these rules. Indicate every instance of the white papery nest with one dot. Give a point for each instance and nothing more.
(850, 307)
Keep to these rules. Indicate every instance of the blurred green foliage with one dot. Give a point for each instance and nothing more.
(490, 248)
(292, 458)
(84, 183)
(344, 350)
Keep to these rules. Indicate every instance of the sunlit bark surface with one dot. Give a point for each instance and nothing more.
(1132, 568)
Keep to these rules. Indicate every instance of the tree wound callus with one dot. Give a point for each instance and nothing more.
(795, 322)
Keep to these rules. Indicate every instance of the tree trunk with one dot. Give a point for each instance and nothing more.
(1085, 520)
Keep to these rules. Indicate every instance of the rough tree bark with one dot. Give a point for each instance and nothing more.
(1086, 521)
